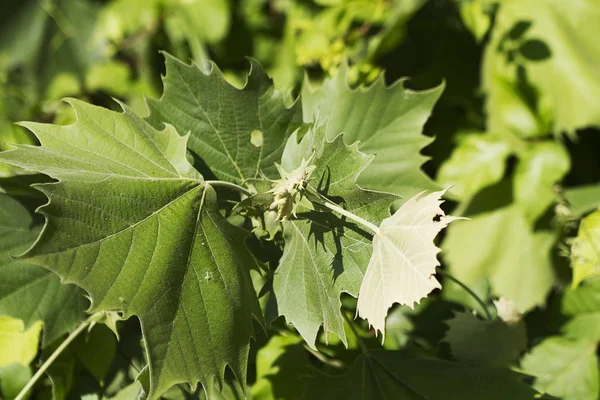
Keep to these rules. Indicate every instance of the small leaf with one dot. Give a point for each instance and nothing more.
(324, 254)
(485, 343)
(585, 251)
(402, 266)
(18, 345)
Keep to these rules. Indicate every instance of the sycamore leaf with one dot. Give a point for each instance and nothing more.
(583, 199)
(402, 266)
(392, 375)
(565, 368)
(499, 246)
(326, 254)
(29, 292)
(18, 345)
(386, 121)
(130, 215)
(585, 251)
(482, 343)
(222, 120)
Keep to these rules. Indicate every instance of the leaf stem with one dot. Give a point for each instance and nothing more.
(229, 185)
(470, 292)
(92, 319)
(334, 207)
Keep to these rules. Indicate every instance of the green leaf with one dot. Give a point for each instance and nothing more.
(478, 161)
(130, 215)
(402, 266)
(386, 121)
(544, 51)
(18, 345)
(222, 120)
(585, 250)
(325, 254)
(502, 247)
(482, 343)
(29, 292)
(280, 369)
(13, 379)
(539, 168)
(96, 351)
(583, 199)
(391, 375)
(582, 305)
(564, 368)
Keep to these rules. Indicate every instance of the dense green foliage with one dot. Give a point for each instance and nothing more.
(243, 199)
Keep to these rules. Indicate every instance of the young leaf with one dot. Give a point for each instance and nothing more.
(585, 251)
(29, 292)
(132, 223)
(565, 368)
(402, 266)
(326, 254)
(385, 121)
(391, 375)
(223, 121)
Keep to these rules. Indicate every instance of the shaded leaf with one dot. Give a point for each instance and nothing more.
(221, 119)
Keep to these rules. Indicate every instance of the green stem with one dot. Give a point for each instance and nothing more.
(470, 292)
(40, 372)
(229, 185)
(334, 207)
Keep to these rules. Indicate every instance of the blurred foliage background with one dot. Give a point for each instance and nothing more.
(515, 130)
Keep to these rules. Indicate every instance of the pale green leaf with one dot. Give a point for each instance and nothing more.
(502, 247)
(545, 53)
(221, 119)
(13, 379)
(564, 368)
(540, 167)
(281, 367)
(478, 161)
(29, 292)
(393, 375)
(18, 345)
(585, 250)
(402, 266)
(386, 121)
(326, 254)
(483, 343)
(130, 215)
